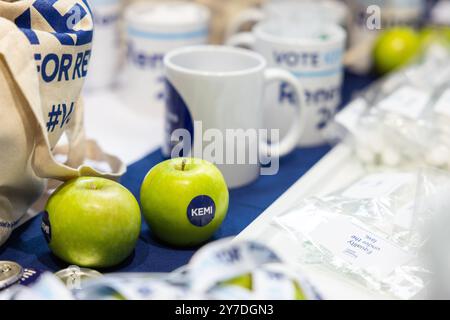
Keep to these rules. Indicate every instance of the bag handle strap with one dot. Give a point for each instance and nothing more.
(26, 78)
(76, 137)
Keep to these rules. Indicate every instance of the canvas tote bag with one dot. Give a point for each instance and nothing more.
(44, 55)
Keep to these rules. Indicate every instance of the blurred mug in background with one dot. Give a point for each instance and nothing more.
(325, 11)
(151, 30)
(103, 66)
(440, 13)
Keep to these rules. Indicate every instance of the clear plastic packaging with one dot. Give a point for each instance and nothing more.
(434, 205)
(394, 123)
(367, 232)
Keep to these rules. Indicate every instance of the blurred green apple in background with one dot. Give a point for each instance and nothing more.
(92, 222)
(446, 33)
(395, 48)
(429, 35)
(245, 281)
(184, 200)
(433, 34)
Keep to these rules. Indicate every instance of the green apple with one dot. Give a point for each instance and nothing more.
(446, 34)
(245, 281)
(395, 48)
(92, 222)
(184, 200)
(431, 35)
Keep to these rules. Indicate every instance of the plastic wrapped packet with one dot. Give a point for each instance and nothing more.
(366, 232)
(441, 108)
(421, 133)
(441, 113)
(391, 123)
(434, 204)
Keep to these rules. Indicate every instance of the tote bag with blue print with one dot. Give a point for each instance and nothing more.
(45, 47)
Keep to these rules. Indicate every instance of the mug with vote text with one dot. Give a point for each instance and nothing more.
(214, 110)
(315, 59)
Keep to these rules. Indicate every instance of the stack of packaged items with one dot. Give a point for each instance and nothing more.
(402, 121)
(384, 230)
(377, 231)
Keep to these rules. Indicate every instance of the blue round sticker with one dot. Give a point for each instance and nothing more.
(201, 210)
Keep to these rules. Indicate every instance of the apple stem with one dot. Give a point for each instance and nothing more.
(183, 164)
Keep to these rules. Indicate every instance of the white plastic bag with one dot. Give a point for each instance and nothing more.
(433, 204)
(366, 232)
(394, 124)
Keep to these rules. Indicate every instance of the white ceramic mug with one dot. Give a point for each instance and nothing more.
(315, 60)
(104, 61)
(152, 30)
(218, 90)
(312, 12)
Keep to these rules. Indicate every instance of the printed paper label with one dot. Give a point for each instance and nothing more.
(442, 106)
(406, 101)
(358, 246)
(378, 185)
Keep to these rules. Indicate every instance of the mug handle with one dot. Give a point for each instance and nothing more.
(251, 15)
(290, 141)
(243, 39)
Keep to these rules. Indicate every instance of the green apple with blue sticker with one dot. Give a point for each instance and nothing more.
(184, 201)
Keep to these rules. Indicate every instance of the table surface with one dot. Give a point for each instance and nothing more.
(27, 245)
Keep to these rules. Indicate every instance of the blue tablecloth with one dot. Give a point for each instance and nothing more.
(27, 245)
